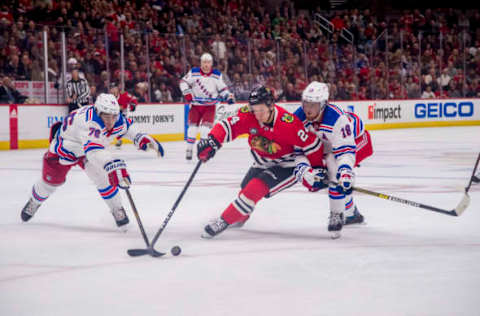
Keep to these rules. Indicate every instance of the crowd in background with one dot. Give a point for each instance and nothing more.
(429, 53)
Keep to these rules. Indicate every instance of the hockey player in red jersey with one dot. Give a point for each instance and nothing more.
(275, 136)
(127, 102)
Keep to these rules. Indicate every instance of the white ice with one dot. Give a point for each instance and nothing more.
(71, 260)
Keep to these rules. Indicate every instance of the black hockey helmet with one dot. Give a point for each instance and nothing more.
(260, 95)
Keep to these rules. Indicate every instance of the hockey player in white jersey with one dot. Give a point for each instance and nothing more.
(81, 139)
(346, 143)
(203, 87)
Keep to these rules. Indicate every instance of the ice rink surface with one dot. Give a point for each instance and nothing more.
(71, 260)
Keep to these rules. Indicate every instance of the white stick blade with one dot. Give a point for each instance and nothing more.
(462, 206)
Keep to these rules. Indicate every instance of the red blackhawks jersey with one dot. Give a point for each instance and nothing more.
(276, 144)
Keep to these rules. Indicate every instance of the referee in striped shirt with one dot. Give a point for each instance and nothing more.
(78, 92)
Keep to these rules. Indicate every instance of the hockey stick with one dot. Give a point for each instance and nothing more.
(137, 216)
(149, 250)
(455, 212)
(473, 178)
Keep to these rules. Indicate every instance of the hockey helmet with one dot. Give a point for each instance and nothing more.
(260, 95)
(206, 57)
(107, 103)
(316, 92)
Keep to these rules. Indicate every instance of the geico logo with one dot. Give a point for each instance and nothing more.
(448, 109)
(378, 113)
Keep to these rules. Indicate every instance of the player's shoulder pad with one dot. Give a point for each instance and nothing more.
(216, 72)
(195, 70)
(300, 114)
(92, 118)
(331, 114)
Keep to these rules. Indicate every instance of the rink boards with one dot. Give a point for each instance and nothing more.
(28, 125)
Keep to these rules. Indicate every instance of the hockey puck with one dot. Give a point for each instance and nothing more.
(176, 250)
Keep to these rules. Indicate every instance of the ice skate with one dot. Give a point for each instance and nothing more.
(356, 218)
(214, 228)
(189, 154)
(121, 218)
(29, 210)
(239, 224)
(335, 224)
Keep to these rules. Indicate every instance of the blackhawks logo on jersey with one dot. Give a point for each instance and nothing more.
(265, 145)
(287, 117)
(244, 109)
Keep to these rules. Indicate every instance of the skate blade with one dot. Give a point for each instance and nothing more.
(335, 235)
(123, 229)
(364, 223)
(206, 236)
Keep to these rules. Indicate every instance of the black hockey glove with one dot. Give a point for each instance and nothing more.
(207, 147)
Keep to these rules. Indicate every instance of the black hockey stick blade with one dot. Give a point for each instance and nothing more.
(137, 252)
(147, 251)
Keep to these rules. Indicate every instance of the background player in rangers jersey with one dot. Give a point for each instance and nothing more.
(127, 102)
(274, 135)
(82, 140)
(346, 144)
(203, 87)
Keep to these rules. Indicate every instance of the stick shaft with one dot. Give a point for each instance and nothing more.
(170, 214)
(473, 174)
(404, 201)
(137, 216)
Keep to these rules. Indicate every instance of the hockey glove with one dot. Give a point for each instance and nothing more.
(146, 141)
(118, 174)
(188, 97)
(346, 179)
(207, 147)
(311, 178)
(133, 106)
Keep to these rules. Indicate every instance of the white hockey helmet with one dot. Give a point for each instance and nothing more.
(315, 92)
(107, 103)
(206, 57)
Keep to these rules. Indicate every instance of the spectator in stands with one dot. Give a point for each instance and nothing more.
(453, 90)
(14, 68)
(140, 92)
(163, 94)
(241, 87)
(291, 94)
(248, 24)
(8, 93)
(219, 48)
(413, 90)
(428, 93)
(444, 79)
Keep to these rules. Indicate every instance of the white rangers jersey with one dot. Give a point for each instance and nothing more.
(338, 131)
(207, 89)
(83, 134)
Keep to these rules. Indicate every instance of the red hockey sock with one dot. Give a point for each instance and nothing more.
(244, 204)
